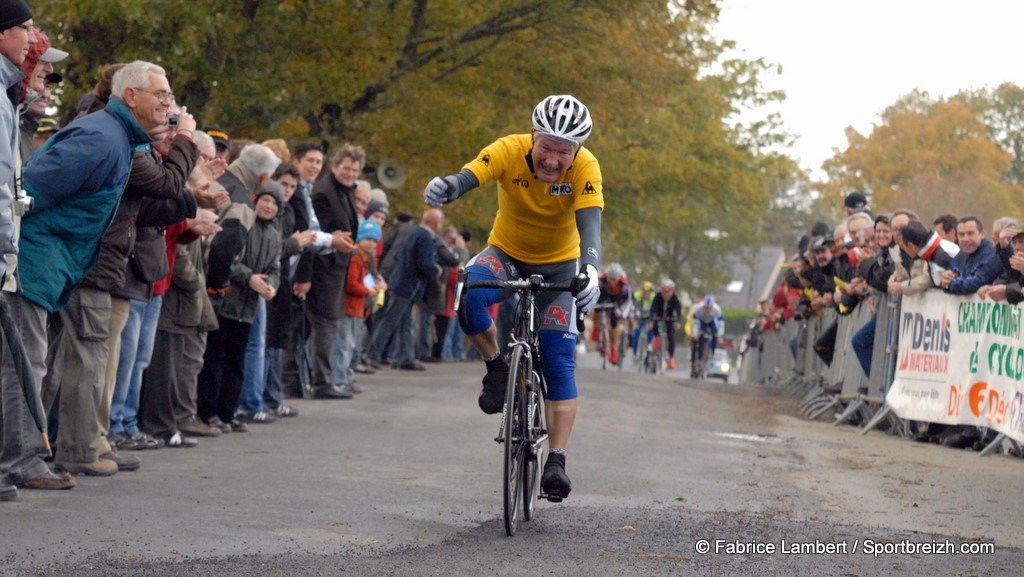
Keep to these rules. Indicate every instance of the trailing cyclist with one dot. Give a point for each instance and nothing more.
(642, 299)
(614, 288)
(665, 306)
(548, 223)
(708, 324)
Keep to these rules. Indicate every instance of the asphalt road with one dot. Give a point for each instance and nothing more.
(404, 480)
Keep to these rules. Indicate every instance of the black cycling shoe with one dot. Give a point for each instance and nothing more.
(554, 482)
(492, 397)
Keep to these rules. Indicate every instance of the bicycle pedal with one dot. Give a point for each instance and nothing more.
(553, 497)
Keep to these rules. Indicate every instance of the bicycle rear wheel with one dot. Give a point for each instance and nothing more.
(515, 447)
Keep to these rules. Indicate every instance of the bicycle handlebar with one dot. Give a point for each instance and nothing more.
(535, 283)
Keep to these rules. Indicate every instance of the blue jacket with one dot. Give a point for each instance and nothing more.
(76, 179)
(975, 270)
(416, 265)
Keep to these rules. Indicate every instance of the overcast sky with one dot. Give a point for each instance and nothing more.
(845, 62)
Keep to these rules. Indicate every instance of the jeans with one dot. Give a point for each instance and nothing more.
(22, 451)
(251, 400)
(453, 341)
(864, 344)
(426, 322)
(396, 321)
(345, 350)
(273, 363)
(136, 353)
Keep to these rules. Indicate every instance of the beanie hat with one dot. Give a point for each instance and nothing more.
(13, 13)
(369, 229)
(274, 189)
(375, 206)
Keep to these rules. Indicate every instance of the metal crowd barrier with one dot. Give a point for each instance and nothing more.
(787, 359)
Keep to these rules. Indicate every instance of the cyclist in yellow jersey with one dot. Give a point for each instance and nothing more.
(548, 223)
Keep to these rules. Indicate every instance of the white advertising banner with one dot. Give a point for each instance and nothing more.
(960, 362)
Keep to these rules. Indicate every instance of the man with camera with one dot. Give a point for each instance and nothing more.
(76, 180)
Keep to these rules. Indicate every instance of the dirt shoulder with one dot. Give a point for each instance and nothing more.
(881, 480)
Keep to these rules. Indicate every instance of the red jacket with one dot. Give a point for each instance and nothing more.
(355, 291)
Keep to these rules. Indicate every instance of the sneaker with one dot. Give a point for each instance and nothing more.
(124, 462)
(219, 424)
(144, 441)
(614, 356)
(671, 362)
(554, 482)
(8, 493)
(351, 387)
(259, 417)
(97, 468)
(363, 369)
(492, 397)
(122, 441)
(332, 392)
(180, 441)
(238, 427)
(286, 411)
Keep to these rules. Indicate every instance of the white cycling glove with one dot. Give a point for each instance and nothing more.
(436, 193)
(588, 296)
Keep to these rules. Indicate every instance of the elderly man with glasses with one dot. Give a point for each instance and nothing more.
(75, 180)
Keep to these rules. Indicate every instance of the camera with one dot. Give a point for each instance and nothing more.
(172, 120)
(23, 203)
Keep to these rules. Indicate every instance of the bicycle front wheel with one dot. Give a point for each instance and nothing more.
(515, 437)
(536, 434)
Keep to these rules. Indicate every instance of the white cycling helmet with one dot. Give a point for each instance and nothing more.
(563, 118)
(615, 271)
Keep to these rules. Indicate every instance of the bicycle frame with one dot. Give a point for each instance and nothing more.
(522, 430)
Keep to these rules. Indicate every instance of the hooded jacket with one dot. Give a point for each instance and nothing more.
(261, 255)
(76, 180)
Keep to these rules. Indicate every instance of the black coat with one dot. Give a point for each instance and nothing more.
(335, 208)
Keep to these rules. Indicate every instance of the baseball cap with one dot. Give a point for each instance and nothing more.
(369, 229)
(856, 200)
(53, 55)
(220, 138)
(47, 124)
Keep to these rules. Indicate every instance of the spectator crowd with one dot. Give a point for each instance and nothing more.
(164, 284)
(895, 253)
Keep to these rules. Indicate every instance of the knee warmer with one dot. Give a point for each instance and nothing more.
(558, 363)
(473, 314)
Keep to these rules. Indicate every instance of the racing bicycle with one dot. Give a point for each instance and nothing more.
(522, 431)
(604, 334)
(700, 368)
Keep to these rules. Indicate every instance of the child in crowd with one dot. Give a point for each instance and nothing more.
(356, 292)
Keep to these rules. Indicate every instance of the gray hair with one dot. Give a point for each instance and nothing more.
(133, 75)
(259, 159)
(203, 140)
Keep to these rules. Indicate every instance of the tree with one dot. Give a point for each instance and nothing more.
(930, 156)
(431, 83)
(1002, 111)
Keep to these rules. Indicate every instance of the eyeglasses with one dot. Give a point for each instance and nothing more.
(162, 95)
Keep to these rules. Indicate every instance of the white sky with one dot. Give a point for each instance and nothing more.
(844, 62)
